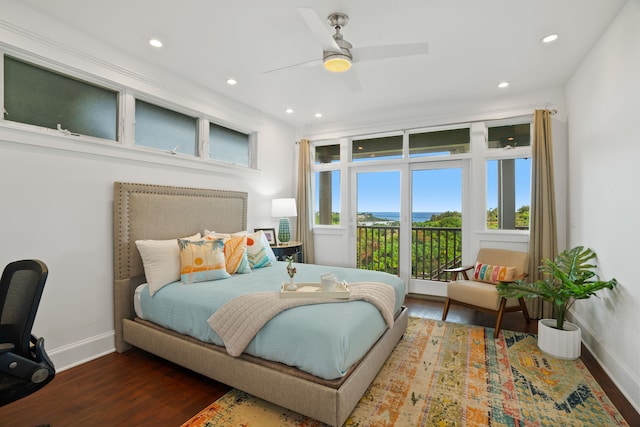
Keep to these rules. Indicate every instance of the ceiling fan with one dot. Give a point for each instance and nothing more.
(338, 54)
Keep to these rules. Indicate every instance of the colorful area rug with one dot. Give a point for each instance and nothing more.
(445, 374)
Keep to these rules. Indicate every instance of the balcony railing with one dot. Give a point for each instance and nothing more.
(433, 249)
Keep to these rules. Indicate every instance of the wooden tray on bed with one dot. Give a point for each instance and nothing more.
(314, 290)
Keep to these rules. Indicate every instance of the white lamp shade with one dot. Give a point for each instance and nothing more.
(283, 208)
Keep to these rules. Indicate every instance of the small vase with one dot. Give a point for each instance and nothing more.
(291, 286)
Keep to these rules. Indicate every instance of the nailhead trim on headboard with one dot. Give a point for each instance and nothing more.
(232, 205)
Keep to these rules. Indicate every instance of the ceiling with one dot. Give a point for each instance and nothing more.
(473, 45)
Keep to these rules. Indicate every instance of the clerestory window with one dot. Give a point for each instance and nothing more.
(41, 97)
(439, 143)
(164, 129)
(228, 145)
(75, 105)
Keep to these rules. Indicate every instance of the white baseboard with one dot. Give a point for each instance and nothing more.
(425, 287)
(80, 352)
(621, 374)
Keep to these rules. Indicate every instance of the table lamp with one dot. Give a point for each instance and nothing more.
(284, 208)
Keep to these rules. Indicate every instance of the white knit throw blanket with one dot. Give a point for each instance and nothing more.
(240, 319)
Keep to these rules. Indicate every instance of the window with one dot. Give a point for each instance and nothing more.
(228, 145)
(327, 184)
(158, 127)
(509, 176)
(509, 136)
(38, 96)
(327, 198)
(383, 148)
(327, 153)
(508, 194)
(439, 143)
(78, 105)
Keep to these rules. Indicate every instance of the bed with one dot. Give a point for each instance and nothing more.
(160, 212)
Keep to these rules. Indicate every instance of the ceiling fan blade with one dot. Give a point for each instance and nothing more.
(319, 28)
(299, 65)
(352, 81)
(374, 53)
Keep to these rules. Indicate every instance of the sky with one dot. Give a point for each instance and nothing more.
(434, 190)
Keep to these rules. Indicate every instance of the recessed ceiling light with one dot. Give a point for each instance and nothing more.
(318, 115)
(502, 85)
(289, 111)
(231, 81)
(155, 43)
(550, 38)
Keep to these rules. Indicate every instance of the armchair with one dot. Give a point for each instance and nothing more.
(479, 291)
(24, 364)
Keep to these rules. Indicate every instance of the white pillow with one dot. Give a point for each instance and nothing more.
(259, 251)
(161, 261)
(213, 234)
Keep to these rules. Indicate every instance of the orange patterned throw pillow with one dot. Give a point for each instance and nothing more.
(235, 252)
(202, 260)
(493, 273)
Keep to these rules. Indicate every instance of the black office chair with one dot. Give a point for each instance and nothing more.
(24, 365)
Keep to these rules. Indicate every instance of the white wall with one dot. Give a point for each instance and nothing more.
(604, 150)
(57, 192)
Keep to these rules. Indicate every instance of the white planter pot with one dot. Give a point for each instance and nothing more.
(563, 344)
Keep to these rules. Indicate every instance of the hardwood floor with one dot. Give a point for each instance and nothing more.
(138, 389)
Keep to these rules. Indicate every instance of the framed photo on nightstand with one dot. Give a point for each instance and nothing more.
(270, 233)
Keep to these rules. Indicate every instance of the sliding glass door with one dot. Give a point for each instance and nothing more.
(409, 220)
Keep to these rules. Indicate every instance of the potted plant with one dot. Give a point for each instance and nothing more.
(291, 271)
(568, 278)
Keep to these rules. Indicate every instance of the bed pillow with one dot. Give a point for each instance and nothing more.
(493, 273)
(202, 260)
(161, 261)
(235, 251)
(259, 251)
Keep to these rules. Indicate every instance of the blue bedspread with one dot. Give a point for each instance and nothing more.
(324, 340)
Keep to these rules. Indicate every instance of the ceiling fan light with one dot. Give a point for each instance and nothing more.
(337, 63)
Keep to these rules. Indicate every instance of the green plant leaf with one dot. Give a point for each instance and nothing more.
(566, 279)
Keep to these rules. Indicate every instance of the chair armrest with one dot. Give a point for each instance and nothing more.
(41, 354)
(37, 371)
(6, 347)
(518, 277)
(458, 270)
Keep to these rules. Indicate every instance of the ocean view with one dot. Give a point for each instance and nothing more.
(395, 216)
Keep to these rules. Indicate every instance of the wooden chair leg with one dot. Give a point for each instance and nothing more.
(446, 309)
(503, 303)
(525, 312)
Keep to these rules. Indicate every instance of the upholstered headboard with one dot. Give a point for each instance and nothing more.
(142, 211)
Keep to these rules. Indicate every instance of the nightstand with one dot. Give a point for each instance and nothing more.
(284, 250)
